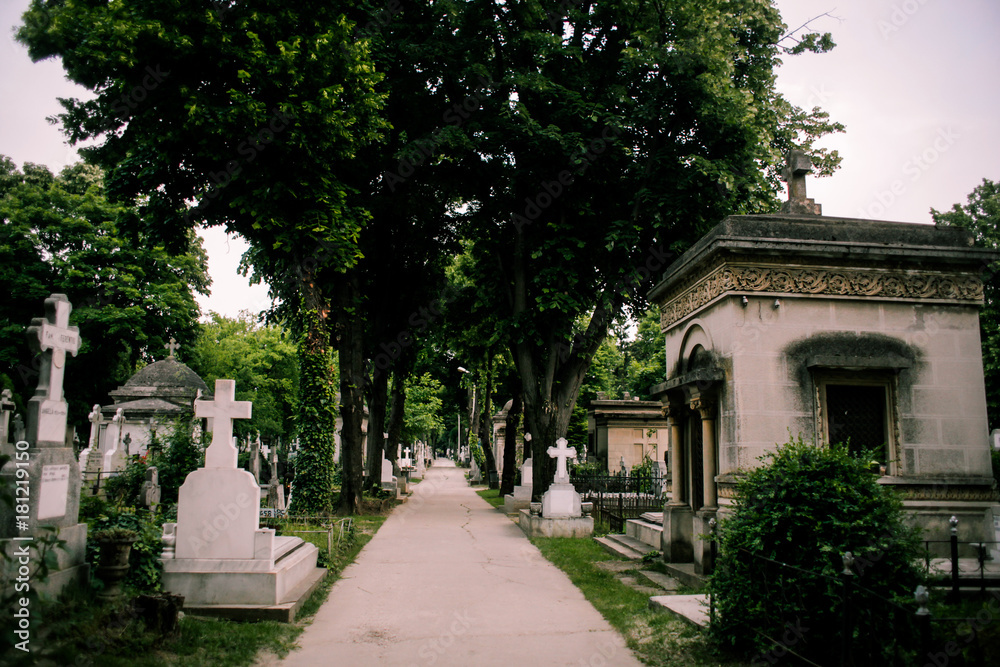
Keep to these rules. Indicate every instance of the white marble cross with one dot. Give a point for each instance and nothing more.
(222, 411)
(55, 334)
(406, 453)
(561, 452)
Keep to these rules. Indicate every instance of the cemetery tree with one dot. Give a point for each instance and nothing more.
(981, 216)
(263, 359)
(606, 137)
(259, 141)
(58, 233)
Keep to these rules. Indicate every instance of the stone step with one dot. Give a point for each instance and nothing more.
(690, 608)
(624, 546)
(645, 532)
(684, 573)
(664, 581)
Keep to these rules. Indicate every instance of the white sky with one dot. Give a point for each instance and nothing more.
(916, 82)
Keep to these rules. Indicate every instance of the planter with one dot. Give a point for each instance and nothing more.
(112, 565)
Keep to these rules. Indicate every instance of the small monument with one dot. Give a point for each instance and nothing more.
(216, 555)
(562, 508)
(275, 490)
(116, 457)
(6, 409)
(149, 494)
(797, 165)
(521, 498)
(255, 459)
(406, 461)
(388, 480)
(45, 465)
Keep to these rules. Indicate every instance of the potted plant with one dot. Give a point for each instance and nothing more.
(115, 546)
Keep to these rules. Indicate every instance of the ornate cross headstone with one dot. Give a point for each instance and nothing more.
(561, 452)
(797, 165)
(222, 411)
(53, 337)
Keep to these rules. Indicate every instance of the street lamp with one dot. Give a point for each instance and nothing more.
(461, 453)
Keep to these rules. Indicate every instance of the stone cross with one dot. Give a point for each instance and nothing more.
(797, 165)
(561, 452)
(53, 334)
(172, 347)
(406, 453)
(95, 425)
(52, 337)
(274, 465)
(222, 411)
(19, 430)
(255, 459)
(127, 441)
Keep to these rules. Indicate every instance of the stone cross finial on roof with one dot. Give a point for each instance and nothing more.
(797, 165)
(172, 347)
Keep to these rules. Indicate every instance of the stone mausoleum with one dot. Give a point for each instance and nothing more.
(626, 431)
(832, 329)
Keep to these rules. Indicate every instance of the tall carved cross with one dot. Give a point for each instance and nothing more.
(222, 411)
(172, 347)
(53, 337)
(561, 453)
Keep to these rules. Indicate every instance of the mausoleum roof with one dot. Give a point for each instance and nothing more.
(167, 373)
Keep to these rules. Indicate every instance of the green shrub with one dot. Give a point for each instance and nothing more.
(805, 507)
(145, 569)
(588, 470)
(182, 455)
(123, 489)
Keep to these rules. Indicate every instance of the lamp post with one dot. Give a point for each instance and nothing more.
(461, 452)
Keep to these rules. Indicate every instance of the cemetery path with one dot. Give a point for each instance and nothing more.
(448, 580)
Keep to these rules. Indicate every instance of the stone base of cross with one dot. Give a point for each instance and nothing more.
(562, 453)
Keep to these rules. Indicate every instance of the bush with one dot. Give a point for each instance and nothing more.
(145, 570)
(182, 455)
(805, 507)
(123, 489)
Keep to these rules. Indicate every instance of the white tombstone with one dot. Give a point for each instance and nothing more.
(275, 491)
(995, 438)
(216, 555)
(116, 457)
(406, 461)
(50, 471)
(521, 498)
(388, 480)
(149, 494)
(561, 500)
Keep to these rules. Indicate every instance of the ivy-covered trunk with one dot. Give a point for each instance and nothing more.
(317, 414)
(352, 398)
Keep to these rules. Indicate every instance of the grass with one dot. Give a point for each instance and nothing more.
(492, 496)
(80, 631)
(656, 637)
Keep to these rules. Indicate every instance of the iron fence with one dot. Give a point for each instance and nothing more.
(617, 498)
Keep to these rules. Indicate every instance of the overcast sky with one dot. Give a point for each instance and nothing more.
(916, 82)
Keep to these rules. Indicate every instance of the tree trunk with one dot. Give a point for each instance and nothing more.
(377, 402)
(396, 414)
(352, 383)
(317, 407)
(510, 444)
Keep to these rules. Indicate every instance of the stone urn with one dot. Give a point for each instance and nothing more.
(112, 565)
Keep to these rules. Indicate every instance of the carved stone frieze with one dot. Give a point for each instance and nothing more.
(947, 492)
(689, 297)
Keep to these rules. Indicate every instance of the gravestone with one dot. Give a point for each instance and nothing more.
(90, 459)
(521, 498)
(116, 457)
(216, 555)
(406, 461)
(45, 466)
(6, 409)
(255, 459)
(561, 507)
(475, 474)
(275, 491)
(149, 494)
(421, 460)
(388, 480)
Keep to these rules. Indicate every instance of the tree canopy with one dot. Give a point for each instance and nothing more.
(59, 234)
